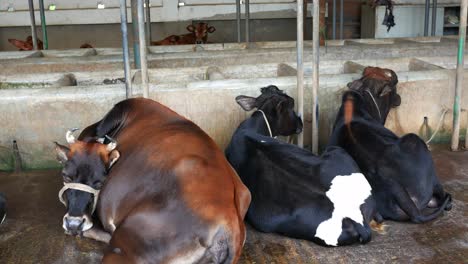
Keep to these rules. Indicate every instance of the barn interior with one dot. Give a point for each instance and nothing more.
(46, 91)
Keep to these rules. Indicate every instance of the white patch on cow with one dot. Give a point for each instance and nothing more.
(88, 224)
(3, 219)
(263, 141)
(347, 193)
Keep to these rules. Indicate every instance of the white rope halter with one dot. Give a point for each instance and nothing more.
(375, 102)
(266, 121)
(79, 187)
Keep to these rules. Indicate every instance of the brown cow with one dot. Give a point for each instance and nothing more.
(198, 35)
(166, 192)
(28, 44)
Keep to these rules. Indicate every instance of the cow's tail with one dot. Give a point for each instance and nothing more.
(113, 121)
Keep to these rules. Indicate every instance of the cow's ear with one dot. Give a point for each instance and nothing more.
(62, 152)
(355, 85)
(113, 157)
(246, 102)
(396, 100)
(211, 29)
(191, 28)
(22, 45)
(386, 90)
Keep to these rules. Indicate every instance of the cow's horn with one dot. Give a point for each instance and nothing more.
(69, 136)
(112, 145)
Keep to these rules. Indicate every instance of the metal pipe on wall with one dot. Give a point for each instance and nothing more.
(247, 22)
(434, 17)
(136, 44)
(426, 18)
(126, 56)
(238, 20)
(334, 19)
(143, 49)
(459, 77)
(300, 66)
(33, 24)
(315, 73)
(43, 24)
(341, 19)
(148, 23)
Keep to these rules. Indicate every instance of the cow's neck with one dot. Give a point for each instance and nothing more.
(258, 122)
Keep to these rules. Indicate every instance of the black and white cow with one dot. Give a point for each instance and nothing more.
(399, 169)
(294, 193)
(2, 208)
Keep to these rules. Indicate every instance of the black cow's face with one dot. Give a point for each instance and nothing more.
(84, 163)
(201, 31)
(378, 88)
(278, 107)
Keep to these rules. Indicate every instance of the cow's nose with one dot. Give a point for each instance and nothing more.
(198, 42)
(74, 223)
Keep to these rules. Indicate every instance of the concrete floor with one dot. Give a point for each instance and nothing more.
(32, 232)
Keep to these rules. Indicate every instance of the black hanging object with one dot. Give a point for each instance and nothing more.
(389, 19)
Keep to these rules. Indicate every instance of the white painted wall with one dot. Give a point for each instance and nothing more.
(73, 12)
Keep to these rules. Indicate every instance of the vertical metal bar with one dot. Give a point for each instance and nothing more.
(247, 22)
(434, 17)
(148, 23)
(300, 66)
(238, 19)
(126, 56)
(315, 74)
(143, 50)
(426, 18)
(43, 24)
(33, 24)
(334, 19)
(341, 19)
(459, 78)
(136, 44)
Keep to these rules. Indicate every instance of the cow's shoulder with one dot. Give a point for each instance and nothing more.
(412, 143)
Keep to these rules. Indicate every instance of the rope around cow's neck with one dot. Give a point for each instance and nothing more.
(79, 187)
(266, 121)
(376, 105)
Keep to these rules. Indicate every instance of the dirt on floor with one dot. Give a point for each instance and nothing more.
(32, 232)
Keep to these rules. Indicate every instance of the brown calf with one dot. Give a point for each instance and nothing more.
(166, 192)
(28, 44)
(198, 35)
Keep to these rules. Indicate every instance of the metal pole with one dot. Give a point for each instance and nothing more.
(136, 44)
(300, 66)
(315, 73)
(238, 18)
(43, 24)
(126, 59)
(143, 61)
(426, 18)
(341, 19)
(434, 17)
(459, 78)
(334, 19)
(247, 18)
(148, 23)
(33, 24)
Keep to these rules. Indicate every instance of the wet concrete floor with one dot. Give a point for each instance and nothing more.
(32, 232)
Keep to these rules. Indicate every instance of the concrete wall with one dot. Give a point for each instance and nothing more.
(44, 96)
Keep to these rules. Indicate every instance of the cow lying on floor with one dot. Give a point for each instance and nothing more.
(323, 199)
(2, 208)
(400, 170)
(198, 35)
(166, 192)
(28, 44)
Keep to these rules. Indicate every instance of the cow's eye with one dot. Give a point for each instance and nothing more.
(66, 178)
(97, 184)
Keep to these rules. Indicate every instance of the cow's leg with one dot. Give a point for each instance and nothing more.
(97, 234)
(439, 196)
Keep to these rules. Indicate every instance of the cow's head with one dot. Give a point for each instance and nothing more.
(278, 108)
(378, 87)
(85, 168)
(201, 30)
(26, 45)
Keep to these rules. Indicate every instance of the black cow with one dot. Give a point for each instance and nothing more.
(323, 199)
(2, 208)
(400, 170)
